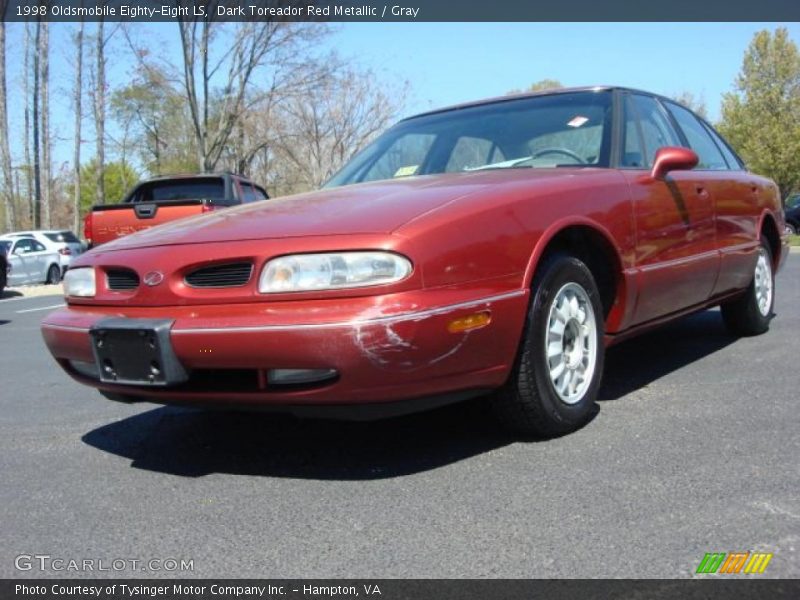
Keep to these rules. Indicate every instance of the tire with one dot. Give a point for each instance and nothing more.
(53, 274)
(534, 401)
(750, 313)
(792, 228)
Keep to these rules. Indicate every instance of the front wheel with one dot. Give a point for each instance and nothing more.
(750, 313)
(553, 386)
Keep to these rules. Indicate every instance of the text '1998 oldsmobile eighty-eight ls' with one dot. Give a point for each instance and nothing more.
(493, 248)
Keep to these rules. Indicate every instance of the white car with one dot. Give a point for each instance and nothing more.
(62, 241)
(30, 261)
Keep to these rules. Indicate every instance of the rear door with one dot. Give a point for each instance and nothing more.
(736, 194)
(676, 257)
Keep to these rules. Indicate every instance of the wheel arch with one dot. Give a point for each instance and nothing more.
(593, 244)
(768, 227)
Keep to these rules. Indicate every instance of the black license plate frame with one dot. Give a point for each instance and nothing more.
(136, 352)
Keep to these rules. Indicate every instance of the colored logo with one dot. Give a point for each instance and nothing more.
(154, 278)
(734, 562)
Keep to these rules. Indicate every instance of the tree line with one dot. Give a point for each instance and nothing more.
(266, 100)
(263, 99)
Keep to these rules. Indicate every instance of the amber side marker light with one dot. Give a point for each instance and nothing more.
(470, 322)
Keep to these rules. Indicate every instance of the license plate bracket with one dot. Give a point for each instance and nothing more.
(136, 352)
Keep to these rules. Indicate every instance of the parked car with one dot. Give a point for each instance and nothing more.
(62, 241)
(30, 262)
(793, 214)
(163, 199)
(498, 247)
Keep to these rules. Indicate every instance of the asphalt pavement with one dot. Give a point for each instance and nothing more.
(695, 448)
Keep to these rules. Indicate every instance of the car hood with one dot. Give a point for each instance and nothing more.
(379, 207)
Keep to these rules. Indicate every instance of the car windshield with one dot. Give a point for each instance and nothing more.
(558, 130)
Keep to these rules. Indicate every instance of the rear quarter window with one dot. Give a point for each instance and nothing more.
(176, 190)
(66, 237)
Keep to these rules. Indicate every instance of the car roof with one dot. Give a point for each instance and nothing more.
(193, 176)
(523, 95)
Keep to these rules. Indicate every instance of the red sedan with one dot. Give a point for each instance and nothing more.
(499, 247)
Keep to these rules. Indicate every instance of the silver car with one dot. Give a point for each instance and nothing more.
(62, 241)
(30, 262)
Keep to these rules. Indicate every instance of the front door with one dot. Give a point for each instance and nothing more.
(676, 257)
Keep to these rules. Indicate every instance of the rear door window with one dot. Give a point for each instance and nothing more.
(700, 141)
(251, 193)
(66, 237)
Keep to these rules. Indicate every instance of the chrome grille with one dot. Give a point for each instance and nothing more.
(220, 276)
(120, 280)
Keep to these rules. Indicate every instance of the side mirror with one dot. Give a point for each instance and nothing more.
(673, 158)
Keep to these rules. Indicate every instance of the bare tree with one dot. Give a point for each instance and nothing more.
(323, 129)
(26, 93)
(100, 110)
(44, 58)
(5, 151)
(78, 101)
(218, 76)
(695, 103)
(37, 181)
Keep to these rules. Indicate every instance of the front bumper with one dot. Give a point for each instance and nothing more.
(384, 349)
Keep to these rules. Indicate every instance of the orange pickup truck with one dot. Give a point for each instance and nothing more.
(165, 199)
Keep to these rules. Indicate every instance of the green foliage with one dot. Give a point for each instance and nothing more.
(155, 113)
(119, 178)
(540, 86)
(761, 117)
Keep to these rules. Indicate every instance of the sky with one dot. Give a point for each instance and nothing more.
(449, 63)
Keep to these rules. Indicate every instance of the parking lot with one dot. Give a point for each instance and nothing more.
(695, 448)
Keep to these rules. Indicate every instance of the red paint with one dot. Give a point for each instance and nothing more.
(681, 239)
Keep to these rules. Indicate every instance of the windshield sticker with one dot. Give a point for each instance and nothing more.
(406, 171)
(577, 121)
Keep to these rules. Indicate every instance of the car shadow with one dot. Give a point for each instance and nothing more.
(4, 322)
(642, 360)
(10, 294)
(192, 443)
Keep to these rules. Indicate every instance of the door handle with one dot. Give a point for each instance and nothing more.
(702, 192)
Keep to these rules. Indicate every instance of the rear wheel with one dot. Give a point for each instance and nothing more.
(553, 386)
(750, 313)
(53, 274)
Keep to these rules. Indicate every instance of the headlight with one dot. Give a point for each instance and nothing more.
(80, 282)
(305, 272)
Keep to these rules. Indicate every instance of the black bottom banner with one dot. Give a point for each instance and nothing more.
(397, 589)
